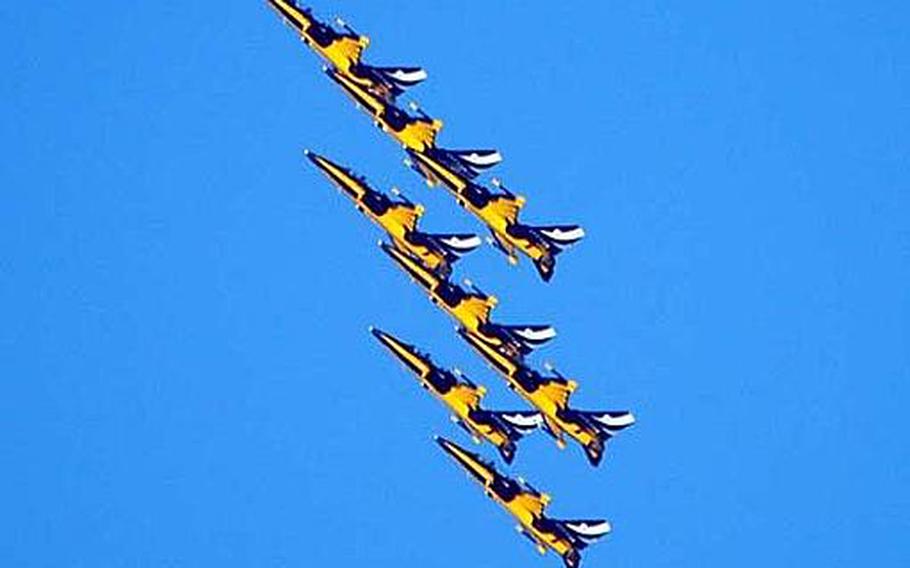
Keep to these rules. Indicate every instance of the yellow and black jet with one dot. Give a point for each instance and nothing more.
(566, 538)
(410, 131)
(498, 210)
(343, 50)
(472, 310)
(550, 395)
(398, 218)
(462, 397)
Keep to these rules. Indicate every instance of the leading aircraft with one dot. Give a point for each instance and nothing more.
(462, 397)
(550, 395)
(471, 309)
(566, 538)
(343, 49)
(498, 210)
(398, 219)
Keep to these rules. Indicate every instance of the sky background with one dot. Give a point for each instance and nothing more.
(187, 377)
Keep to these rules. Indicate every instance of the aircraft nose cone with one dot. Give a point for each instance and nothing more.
(313, 157)
(448, 447)
(378, 333)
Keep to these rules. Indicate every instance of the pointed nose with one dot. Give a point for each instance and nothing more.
(379, 334)
(444, 444)
(317, 160)
(388, 249)
(407, 353)
(452, 449)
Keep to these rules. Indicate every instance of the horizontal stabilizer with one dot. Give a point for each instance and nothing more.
(604, 424)
(533, 335)
(404, 77)
(607, 423)
(583, 533)
(522, 338)
(562, 235)
(613, 421)
(389, 82)
(457, 245)
(521, 423)
(557, 238)
(467, 163)
(481, 159)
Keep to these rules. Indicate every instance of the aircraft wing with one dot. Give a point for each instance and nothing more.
(478, 306)
(533, 502)
(557, 390)
(507, 207)
(405, 215)
(468, 394)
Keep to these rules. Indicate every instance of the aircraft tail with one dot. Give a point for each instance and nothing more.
(396, 80)
(557, 238)
(582, 533)
(515, 425)
(403, 77)
(561, 236)
(529, 337)
(605, 423)
(456, 245)
(467, 163)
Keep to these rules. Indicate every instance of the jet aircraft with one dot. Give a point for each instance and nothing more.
(462, 397)
(343, 50)
(550, 395)
(498, 210)
(398, 219)
(411, 132)
(472, 310)
(566, 538)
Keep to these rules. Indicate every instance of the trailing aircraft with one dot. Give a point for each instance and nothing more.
(398, 218)
(462, 397)
(343, 49)
(550, 395)
(566, 538)
(498, 210)
(471, 309)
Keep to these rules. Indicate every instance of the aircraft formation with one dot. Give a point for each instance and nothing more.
(428, 259)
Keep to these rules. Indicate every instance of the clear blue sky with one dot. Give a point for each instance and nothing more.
(187, 374)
